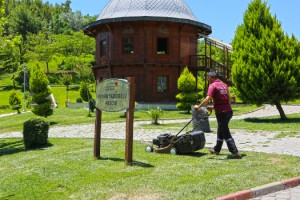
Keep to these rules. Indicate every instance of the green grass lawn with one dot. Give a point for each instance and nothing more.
(66, 170)
(60, 94)
(273, 123)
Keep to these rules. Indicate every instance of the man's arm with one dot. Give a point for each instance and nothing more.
(204, 102)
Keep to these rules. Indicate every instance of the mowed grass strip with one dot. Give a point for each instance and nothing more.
(66, 169)
(274, 123)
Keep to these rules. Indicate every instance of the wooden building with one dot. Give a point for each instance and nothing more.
(150, 40)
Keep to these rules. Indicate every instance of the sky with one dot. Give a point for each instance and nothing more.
(222, 15)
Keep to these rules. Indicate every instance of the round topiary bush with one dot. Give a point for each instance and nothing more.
(35, 133)
(79, 100)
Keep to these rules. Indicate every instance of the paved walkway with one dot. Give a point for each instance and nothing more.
(287, 194)
(257, 141)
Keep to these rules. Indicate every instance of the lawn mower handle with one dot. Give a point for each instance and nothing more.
(209, 113)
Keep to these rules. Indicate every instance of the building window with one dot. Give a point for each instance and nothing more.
(162, 46)
(128, 45)
(162, 84)
(103, 48)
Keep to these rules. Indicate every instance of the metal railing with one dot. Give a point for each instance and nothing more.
(205, 63)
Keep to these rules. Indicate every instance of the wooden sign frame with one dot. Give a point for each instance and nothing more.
(129, 126)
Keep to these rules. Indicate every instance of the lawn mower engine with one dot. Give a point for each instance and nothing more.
(163, 140)
(185, 143)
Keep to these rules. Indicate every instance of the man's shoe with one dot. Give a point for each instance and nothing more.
(234, 156)
(212, 151)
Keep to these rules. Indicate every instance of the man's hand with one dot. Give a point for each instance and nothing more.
(197, 107)
(209, 108)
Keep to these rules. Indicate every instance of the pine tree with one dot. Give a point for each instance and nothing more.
(85, 93)
(186, 84)
(39, 86)
(15, 102)
(265, 60)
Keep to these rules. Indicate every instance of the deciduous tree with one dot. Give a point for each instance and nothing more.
(10, 56)
(41, 48)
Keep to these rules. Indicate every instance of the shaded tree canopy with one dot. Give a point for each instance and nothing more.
(34, 32)
(9, 54)
(266, 61)
(1, 16)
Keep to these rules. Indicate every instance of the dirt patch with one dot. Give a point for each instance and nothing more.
(275, 160)
(137, 196)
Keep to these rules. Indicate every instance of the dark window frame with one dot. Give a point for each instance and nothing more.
(162, 84)
(128, 45)
(103, 48)
(162, 47)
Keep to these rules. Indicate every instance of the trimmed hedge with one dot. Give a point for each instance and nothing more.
(35, 133)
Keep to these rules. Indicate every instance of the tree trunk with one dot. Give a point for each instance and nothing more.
(47, 65)
(281, 111)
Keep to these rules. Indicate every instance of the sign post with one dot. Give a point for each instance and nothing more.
(129, 123)
(97, 135)
(115, 95)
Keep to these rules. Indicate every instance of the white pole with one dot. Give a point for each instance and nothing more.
(24, 89)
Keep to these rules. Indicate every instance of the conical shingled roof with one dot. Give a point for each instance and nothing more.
(148, 10)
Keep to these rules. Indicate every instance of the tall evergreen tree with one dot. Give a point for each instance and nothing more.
(22, 21)
(265, 61)
(186, 84)
(39, 86)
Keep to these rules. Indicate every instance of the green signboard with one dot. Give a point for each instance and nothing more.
(112, 95)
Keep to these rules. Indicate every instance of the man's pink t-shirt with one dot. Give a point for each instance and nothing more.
(220, 94)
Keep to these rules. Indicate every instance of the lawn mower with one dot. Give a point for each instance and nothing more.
(181, 144)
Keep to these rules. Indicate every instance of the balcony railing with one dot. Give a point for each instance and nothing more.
(205, 63)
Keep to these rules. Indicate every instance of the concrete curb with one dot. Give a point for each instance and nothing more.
(262, 190)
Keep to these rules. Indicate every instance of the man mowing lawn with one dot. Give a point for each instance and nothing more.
(219, 93)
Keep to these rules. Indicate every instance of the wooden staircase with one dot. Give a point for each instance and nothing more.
(206, 62)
